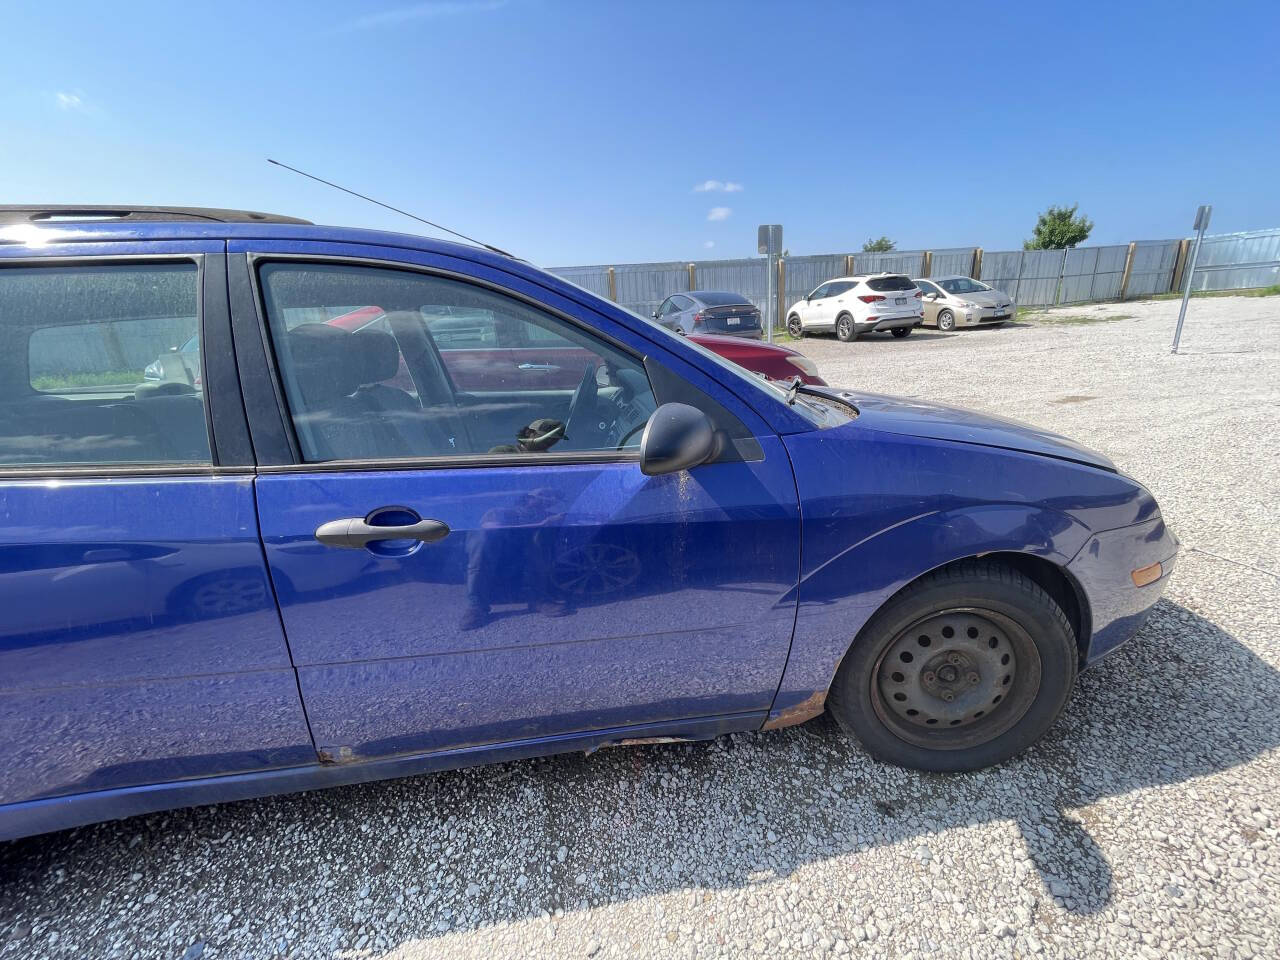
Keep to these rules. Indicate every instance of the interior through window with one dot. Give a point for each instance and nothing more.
(380, 363)
(100, 364)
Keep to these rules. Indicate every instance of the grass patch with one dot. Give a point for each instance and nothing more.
(104, 378)
(1271, 291)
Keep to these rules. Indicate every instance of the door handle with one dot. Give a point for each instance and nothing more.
(548, 367)
(354, 533)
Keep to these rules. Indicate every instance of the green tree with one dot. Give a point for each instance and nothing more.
(1059, 227)
(883, 245)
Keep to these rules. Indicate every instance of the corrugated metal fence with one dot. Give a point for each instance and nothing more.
(1032, 277)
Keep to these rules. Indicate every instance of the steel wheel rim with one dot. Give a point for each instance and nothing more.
(924, 688)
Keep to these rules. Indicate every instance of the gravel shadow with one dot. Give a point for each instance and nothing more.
(420, 857)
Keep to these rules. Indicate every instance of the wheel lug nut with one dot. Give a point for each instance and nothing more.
(973, 679)
(929, 677)
(953, 658)
(948, 697)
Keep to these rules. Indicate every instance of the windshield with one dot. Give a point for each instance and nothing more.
(963, 285)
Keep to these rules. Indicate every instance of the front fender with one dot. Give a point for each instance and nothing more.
(838, 597)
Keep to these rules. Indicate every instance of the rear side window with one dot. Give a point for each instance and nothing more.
(100, 364)
(887, 284)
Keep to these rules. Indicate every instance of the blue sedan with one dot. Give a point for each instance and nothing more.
(428, 506)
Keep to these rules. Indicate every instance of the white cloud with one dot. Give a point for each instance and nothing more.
(69, 101)
(717, 186)
(719, 213)
(428, 10)
(709, 244)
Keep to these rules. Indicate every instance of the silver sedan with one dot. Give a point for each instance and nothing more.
(951, 302)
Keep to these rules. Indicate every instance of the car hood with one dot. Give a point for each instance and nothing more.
(939, 421)
(987, 298)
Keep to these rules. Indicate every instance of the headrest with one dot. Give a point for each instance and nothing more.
(375, 355)
(322, 367)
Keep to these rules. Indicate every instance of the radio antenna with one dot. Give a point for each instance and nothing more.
(406, 213)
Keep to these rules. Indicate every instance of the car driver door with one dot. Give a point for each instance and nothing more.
(442, 591)
(818, 312)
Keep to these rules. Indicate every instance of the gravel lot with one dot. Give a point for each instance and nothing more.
(1145, 825)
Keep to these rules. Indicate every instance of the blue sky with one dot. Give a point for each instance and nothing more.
(580, 132)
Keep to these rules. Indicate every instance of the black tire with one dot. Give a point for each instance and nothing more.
(946, 320)
(900, 332)
(1023, 656)
(844, 328)
(794, 327)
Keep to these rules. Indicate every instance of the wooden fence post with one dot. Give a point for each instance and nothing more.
(977, 264)
(1180, 264)
(613, 286)
(693, 277)
(848, 264)
(1128, 269)
(926, 268)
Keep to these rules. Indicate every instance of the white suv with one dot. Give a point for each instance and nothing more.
(855, 305)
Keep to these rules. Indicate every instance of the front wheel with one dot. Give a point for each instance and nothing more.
(963, 669)
(900, 332)
(844, 328)
(795, 327)
(946, 320)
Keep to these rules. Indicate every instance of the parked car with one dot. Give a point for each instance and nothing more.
(181, 364)
(951, 302)
(311, 572)
(710, 311)
(771, 360)
(852, 306)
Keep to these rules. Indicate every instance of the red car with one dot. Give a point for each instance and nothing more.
(482, 352)
(774, 361)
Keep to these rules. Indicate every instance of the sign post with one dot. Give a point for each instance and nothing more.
(1200, 226)
(769, 242)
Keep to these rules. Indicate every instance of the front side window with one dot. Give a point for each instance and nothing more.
(100, 364)
(822, 291)
(447, 369)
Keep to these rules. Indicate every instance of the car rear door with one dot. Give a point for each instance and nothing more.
(140, 641)
(524, 594)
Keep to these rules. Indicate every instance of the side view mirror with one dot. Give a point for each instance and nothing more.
(654, 314)
(677, 437)
(932, 296)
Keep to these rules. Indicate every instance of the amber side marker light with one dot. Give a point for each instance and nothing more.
(1144, 575)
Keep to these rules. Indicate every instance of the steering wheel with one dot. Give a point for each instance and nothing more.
(581, 409)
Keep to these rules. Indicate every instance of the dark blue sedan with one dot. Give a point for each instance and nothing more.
(341, 554)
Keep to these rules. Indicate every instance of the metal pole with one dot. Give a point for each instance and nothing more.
(1186, 290)
(770, 311)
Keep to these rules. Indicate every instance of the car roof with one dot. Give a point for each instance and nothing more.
(114, 213)
(17, 230)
